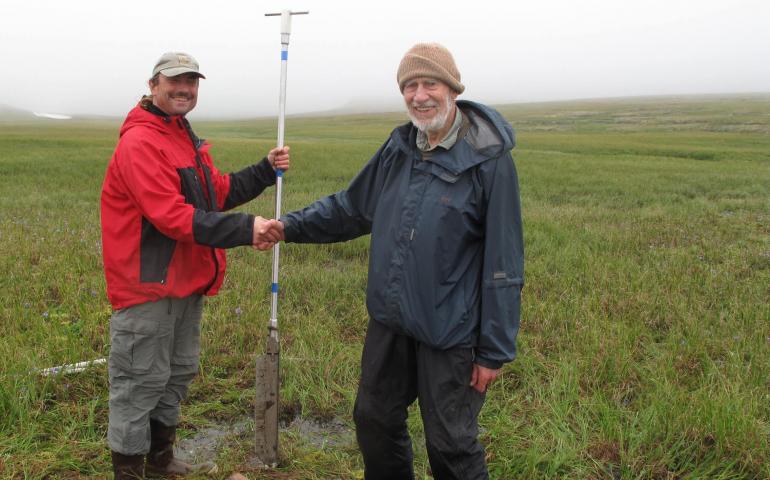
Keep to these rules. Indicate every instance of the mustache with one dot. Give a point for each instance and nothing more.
(429, 103)
(186, 96)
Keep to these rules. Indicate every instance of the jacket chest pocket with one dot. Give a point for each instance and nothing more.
(452, 229)
(453, 201)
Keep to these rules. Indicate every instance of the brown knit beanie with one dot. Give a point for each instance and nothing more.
(429, 60)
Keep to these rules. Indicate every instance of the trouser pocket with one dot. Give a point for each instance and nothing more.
(134, 337)
(186, 349)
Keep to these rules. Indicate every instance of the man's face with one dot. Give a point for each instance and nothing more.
(175, 95)
(429, 103)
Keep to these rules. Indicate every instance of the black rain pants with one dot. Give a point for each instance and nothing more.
(396, 369)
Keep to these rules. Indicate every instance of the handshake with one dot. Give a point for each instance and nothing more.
(269, 232)
(266, 233)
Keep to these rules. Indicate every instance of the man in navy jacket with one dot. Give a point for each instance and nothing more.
(441, 201)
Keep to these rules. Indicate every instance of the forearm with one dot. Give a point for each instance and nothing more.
(503, 267)
(499, 326)
(330, 219)
(223, 230)
(247, 184)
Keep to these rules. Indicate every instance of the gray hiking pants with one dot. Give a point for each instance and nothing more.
(154, 353)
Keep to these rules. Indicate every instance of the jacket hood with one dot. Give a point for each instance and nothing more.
(138, 116)
(488, 136)
(489, 130)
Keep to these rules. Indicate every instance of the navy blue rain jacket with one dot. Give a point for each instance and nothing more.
(446, 262)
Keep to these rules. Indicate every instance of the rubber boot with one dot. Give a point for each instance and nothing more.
(127, 467)
(160, 459)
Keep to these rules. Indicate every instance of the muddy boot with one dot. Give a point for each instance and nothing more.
(127, 467)
(161, 461)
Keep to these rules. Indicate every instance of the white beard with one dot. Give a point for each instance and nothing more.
(437, 122)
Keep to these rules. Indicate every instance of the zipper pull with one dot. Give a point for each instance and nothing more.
(411, 235)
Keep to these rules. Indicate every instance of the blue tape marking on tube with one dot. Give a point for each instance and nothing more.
(279, 173)
(284, 55)
(275, 288)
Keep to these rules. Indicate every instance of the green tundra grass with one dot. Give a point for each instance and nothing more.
(645, 334)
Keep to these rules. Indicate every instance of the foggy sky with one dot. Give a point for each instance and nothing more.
(94, 57)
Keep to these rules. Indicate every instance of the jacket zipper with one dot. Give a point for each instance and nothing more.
(208, 195)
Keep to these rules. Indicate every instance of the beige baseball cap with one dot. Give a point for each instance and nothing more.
(172, 64)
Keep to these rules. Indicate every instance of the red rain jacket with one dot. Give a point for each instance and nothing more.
(163, 232)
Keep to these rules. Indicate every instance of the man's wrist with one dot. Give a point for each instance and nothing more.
(490, 364)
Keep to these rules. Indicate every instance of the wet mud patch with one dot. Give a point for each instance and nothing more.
(320, 434)
(205, 444)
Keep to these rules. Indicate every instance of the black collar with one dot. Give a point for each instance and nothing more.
(152, 108)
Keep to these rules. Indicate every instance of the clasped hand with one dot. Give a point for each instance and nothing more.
(279, 158)
(266, 233)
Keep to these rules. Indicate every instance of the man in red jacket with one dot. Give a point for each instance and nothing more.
(163, 240)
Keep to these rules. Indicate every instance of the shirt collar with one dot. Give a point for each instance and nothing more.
(449, 139)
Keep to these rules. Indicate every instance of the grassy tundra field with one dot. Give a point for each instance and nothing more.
(645, 334)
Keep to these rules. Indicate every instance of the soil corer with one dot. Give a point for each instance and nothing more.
(266, 408)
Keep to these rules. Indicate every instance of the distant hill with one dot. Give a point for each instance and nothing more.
(11, 114)
(363, 105)
(395, 105)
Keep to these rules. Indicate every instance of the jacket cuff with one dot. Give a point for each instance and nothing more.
(289, 229)
(488, 363)
(250, 228)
